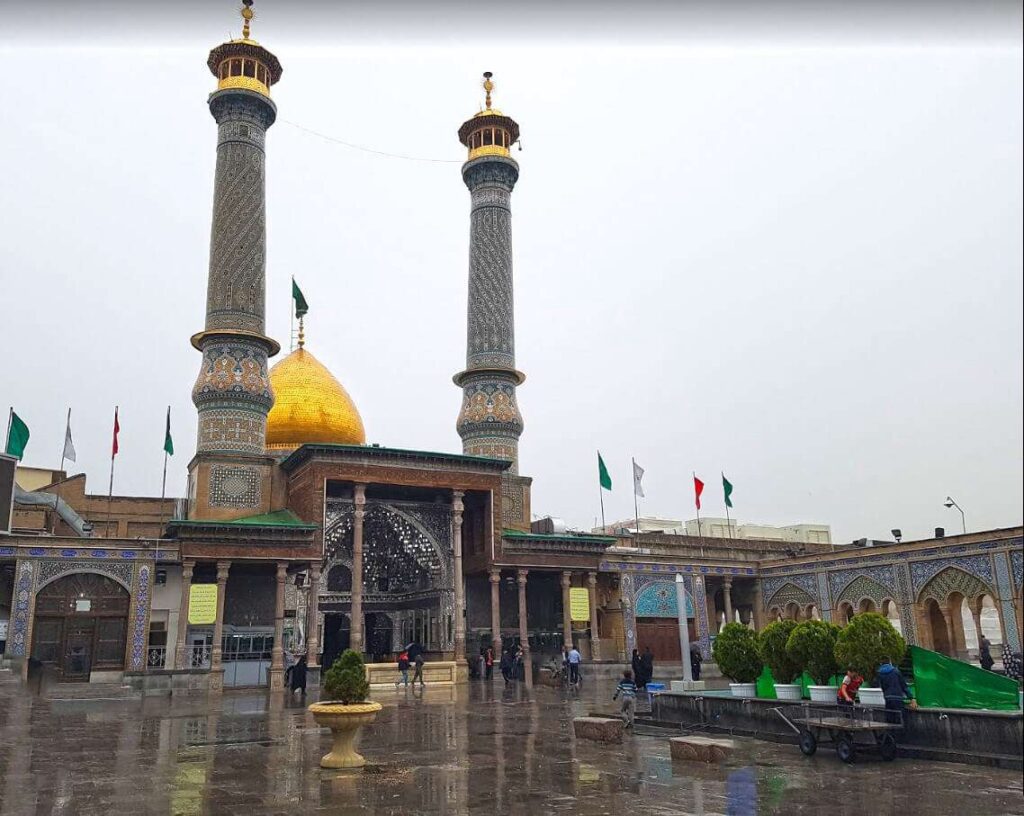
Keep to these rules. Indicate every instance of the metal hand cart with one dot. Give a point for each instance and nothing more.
(849, 729)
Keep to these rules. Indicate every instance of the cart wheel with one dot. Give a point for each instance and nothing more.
(808, 744)
(887, 747)
(845, 749)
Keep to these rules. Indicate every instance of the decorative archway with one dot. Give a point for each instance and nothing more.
(937, 623)
(790, 593)
(656, 611)
(81, 625)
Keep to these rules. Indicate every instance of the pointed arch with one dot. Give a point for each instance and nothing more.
(953, 580)
(789, 593)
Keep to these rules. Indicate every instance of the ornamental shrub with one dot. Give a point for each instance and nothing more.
(735, 652)
(771, 645)
(867, 640)
(812, 646)
(345, 681)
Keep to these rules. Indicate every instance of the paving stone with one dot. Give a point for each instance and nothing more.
(599, 729)
(701, 749)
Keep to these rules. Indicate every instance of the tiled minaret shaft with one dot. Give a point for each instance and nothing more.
(232, 393)
(489, 422)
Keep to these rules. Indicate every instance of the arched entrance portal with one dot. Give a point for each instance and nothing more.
(80, 625)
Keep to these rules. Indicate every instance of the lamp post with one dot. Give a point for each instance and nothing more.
(949, 502)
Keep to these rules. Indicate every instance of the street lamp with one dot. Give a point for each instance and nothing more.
(897, 534)
(949, 502)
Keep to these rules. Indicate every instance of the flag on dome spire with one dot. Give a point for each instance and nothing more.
(301, 307)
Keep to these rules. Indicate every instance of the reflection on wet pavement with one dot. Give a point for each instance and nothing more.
(474, 749)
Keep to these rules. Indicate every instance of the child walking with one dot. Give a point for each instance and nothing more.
(627, 690)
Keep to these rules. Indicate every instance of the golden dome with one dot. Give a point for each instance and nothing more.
(310, 406)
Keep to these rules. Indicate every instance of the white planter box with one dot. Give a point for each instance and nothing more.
(823, 694)
(787, 691)
(746, 690)
(871, 697)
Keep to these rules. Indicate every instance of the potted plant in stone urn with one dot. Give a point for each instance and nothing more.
(862, 645)
(735, 652)
(812, 646)
(345, 709)
(771, 645)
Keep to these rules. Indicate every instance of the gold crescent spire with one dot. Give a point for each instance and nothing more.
(247, 15)
(488, 87)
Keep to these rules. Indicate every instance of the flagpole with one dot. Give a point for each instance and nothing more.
(110, 493)
(636, 506)
(600, 493)
(63, 451)
(10, 421)
(700, 534)
(728, 521)
(291, 317)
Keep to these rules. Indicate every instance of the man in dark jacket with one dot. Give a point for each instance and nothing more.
(895, 688)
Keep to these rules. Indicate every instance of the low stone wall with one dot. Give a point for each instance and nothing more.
(169, 681)
(954, 735)
(435, 673)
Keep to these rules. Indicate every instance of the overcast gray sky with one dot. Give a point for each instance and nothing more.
(779, 241)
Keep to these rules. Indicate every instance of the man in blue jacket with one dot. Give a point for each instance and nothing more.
(895, 688)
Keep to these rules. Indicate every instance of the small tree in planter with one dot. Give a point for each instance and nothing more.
(863, 644)
(812, 647)
(345, 709)
(735, 652)
(771, 645)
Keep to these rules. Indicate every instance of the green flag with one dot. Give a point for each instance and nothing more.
(727, 489)
(602, 473)
(17, 436)
(168, 442)
(301, 307)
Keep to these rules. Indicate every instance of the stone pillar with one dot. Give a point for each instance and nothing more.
(566, 617)
(758, 605)
(460, 588)
(595, 635)
(727, 595)
(216, 672)
(947, 616)
(496, 612)
(356, 615)
(312, 618)
(277, 651)
(181, 655)
(524, 639)
(976, 607)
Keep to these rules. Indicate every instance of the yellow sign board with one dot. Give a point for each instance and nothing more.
(579, 603)
(202, 604)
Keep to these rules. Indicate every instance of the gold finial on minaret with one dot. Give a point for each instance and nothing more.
(247, 15)
(302, 332)
(488, 87)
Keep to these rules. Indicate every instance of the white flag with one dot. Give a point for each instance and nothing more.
(69, 446)
(638, 474)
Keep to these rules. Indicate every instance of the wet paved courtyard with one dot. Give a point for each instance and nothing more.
(474, 749)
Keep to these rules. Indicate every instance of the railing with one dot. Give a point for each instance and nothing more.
(198, 657)
(156, 657)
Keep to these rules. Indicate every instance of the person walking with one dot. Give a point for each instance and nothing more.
(415, 652)
(403, 669)
(638, 669)
(519, 670)
(481, 664)
(506, 666)
(696, 659)
(894, 688)
(489, 663)
(574, 657)
(985, 654)
(627, 690)
(298, 676)
(647, 664)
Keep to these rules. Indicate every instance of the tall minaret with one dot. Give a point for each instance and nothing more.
(232, 393)
(489, 423)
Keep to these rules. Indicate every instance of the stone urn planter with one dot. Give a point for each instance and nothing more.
(872, 697)
(788, 691)
(344, 720)
(744, 690)
(823, 694)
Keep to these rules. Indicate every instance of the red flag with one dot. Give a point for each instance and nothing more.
(117, 427)
(698, 488)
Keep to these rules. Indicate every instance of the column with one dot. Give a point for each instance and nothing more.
(595, 635)
(277, 651)
(758, 605)
(356, 614)
(216, 672)
(496, 612)
(524, 639)
(460, 589)
(181, 655)
(976, 607)
(947, 616)
(312, 617)
(727, 595)
(566, 616)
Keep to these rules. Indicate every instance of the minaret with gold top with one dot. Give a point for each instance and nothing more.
(489, 422)
(229, 477)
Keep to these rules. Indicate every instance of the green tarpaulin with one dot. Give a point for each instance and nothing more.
(942, 682)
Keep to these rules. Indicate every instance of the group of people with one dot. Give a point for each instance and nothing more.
(411, 655)
(889, 679)
(511, 664)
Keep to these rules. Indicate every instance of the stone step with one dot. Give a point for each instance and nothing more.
(88, 691)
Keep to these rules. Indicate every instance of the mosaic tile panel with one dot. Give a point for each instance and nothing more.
(658, 600)
(908, 622)
(863, 587)
(805, 581)
(1005, 591)
(825, 608)
(235, 486)
(50, 570)
(921, 572)
(951, 580)
(1017, 561)
(17, 645)
(882, 575)
(140, 620)
(626, 589)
